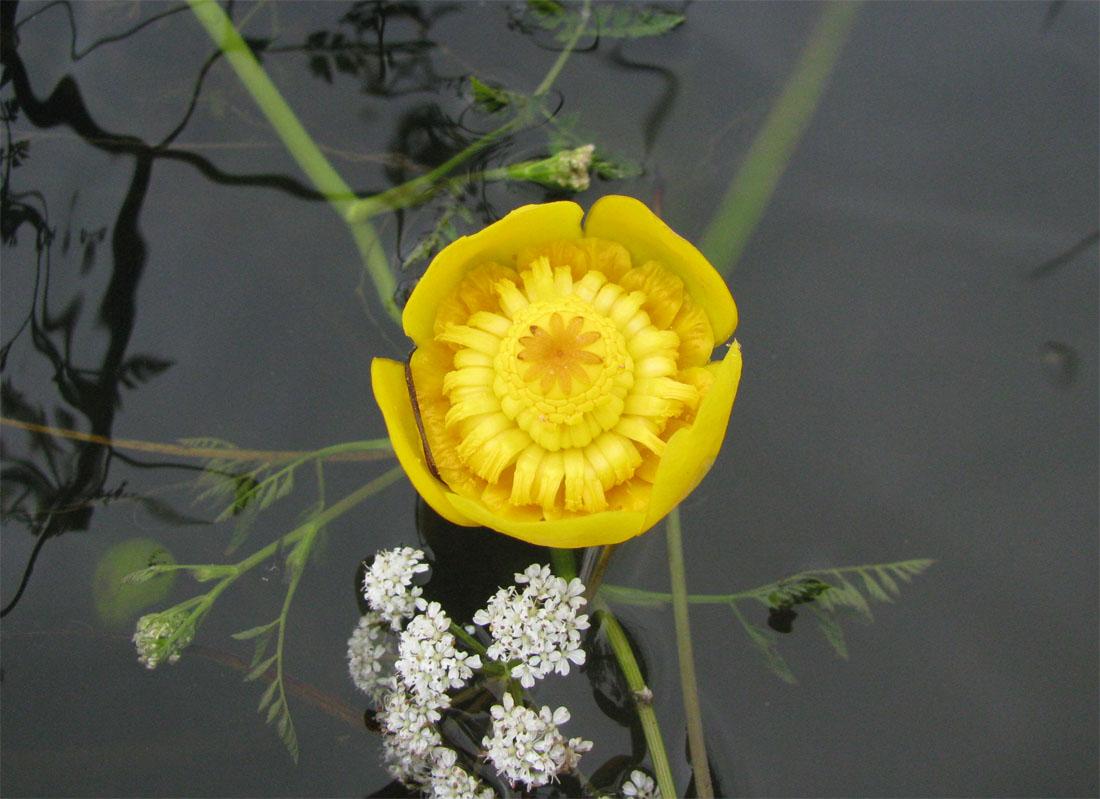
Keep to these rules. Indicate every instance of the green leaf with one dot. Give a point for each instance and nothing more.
(490, 98)
(276, 706)
(260, 668)
(830, 627)
(268, 695)
(888, 581)
(616, 170)
(874, 590)
(910, 568)
(619, 21)
(252, 632)
(797, 592)
(848, 595)
(764, 640)
(259, 649)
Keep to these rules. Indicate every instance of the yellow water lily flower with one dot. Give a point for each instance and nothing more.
(562, 389)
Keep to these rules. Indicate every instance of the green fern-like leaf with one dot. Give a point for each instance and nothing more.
(831, 629)
(873, 589)
(620, 21)
(765, 642)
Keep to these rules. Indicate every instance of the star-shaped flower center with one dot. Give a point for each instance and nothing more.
(557, 354)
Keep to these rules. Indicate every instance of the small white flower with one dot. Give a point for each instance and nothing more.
(539, 627)
(387, 584)
(448, 780)
(428, 664)
(408, 736)
(366, 649)
(153, 634)
(527, 746)
(640, 786)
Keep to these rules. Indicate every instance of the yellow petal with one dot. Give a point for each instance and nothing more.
(690, 452)
(391, 392)
(647, 238)
(500, 242)
(589, 530)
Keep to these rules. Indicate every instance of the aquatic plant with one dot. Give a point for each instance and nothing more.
(609, 412)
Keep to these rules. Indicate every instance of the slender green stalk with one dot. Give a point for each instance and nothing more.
(299, 143)
(592, 581)
(639, 596)
(421, 188)
(771, 150)
(696, 739)
(643, 697)
(552, 75)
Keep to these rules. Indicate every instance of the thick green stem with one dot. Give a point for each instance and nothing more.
(696, 739)
(771, 150)
(643, 697)
(299, 143)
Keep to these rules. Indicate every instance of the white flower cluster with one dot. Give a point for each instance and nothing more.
(537, 631)
(450, 781)
(640, 786)
(538, 627)
(409, 736)
(428, 665)
(366, 649)
(387, 584)
(527, 746)
(153, 634)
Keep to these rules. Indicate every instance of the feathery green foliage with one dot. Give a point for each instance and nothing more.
(826, 593)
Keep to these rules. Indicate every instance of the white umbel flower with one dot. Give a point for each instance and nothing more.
(153, 637)
(527, 746)
(387, 584)
(428, 664)
(366, 649)
(539, 627)
(448, 780)
(409, 735)
(640, 786)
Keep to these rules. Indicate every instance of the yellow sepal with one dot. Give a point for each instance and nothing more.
(594, 529)
(690, 452)
(391, 392)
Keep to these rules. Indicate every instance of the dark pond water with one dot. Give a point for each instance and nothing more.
(918, 319)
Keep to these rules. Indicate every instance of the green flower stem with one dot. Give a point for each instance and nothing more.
(552, 75)
(696, 739)
(643, 697)
(421, 188)
(565, 566)
(564, 563)
(230, 573)
(771, 150)
(299, 143)
(466, 638)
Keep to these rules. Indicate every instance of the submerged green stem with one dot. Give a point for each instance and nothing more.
(770, 152)
(689, 685)
(643, 697)
(552, 75)
(298, 141)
